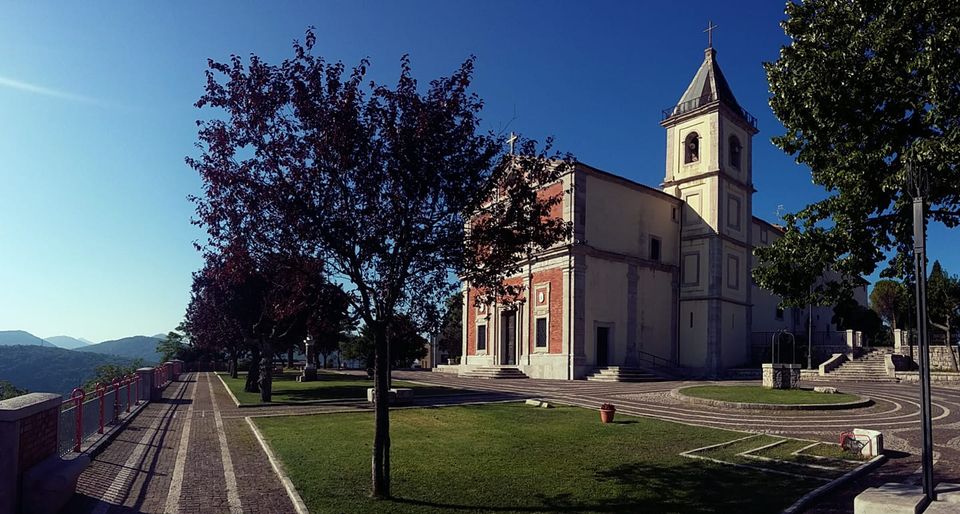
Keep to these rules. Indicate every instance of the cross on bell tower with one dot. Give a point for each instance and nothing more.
(709, 31)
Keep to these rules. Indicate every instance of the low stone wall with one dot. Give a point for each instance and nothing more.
(939, 356)
(936, 377)
(447, 368)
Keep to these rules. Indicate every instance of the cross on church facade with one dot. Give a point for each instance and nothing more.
(511, 140)
(709, 31)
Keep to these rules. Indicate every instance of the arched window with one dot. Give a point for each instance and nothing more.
(735, 150)
(691, 147)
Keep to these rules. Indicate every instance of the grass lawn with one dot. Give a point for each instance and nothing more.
(328, 386)
(759, 394)
(517, 458)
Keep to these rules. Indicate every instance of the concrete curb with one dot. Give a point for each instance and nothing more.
(232, 397)
(676, 394)
(277, 466)
(801, 504)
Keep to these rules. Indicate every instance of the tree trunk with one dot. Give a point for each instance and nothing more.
(380, 468)
(290, 357)
(233, 364)
(266, 372)
(253, 372)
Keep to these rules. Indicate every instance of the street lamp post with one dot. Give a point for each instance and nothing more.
(918, 188)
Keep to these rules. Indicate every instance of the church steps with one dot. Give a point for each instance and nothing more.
(622, 374)
(868, 368)
(494, 372)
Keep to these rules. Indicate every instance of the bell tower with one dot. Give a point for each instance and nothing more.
(708, 166)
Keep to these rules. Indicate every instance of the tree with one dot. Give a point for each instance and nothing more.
(943, 300)
(850, 315)
(376, 182)
(8, 390)
(864, 89)
(887, 300)
(450, 339)
(172, 346)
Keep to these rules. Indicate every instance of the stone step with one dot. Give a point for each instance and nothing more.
(494, 373)
(622, 374)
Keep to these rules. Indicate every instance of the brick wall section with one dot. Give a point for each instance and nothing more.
(556, 189)
(554, 332)
(38, 437)
(471, 322)
(554, 276)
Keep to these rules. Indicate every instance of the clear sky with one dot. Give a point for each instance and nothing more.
(96, 117)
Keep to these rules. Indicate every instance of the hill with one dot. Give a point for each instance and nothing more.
(136, 347)
(67, 342)
(11, 337)
(50, 369)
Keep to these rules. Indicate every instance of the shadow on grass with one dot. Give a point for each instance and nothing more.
(330, 386)
(642, 487)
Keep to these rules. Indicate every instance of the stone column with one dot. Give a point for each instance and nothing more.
(309, 372)
(146, 385)
(178, 368)
(29, 435)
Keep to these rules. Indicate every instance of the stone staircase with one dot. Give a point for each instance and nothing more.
(868, 368)
(493, 372)
(622, 374)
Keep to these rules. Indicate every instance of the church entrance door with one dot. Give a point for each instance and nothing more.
(603, 346)
(508, 338)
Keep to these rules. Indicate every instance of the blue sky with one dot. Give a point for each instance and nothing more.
(97, 116)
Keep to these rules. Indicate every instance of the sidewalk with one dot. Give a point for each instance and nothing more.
(181, 455)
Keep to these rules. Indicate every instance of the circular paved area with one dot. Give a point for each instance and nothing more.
(896, 413)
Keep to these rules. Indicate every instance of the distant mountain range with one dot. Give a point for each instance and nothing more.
(11, 337)
(47, 369)
(68, 342)
(136, 347)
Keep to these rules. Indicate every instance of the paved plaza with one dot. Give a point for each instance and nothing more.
(194, 452)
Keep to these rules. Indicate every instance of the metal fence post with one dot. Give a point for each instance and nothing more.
(78, 395)
(101, 390)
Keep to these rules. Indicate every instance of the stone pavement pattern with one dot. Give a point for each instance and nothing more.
(138, 471)
(155, 455)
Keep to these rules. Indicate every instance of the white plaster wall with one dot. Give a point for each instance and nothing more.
(735, 341)
(606, 302)
(655, 316)
(622, 219)
(693, 348)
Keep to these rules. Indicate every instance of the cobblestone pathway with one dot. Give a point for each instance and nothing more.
(183, 455)
(193, 451)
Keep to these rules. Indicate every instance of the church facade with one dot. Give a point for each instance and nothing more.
(652, 277)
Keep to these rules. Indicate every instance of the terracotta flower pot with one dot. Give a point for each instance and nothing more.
(606, 415)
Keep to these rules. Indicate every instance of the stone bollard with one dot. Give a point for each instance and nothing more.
(177, 368)
(148, 390)
(168, 370)
(33, 477)
(781, 376)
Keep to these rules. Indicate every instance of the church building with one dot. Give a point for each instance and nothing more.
(652, 277)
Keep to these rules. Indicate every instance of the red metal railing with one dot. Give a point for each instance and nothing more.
(77, 395)
(129, 382)
(116, 399)
(101, 390)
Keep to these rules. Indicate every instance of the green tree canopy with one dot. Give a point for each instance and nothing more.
(887, 300)
(863, 89)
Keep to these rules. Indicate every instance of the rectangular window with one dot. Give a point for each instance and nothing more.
(655, 249)
(541, 332)
(780, 313)
(481, 338)
(673, 214)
